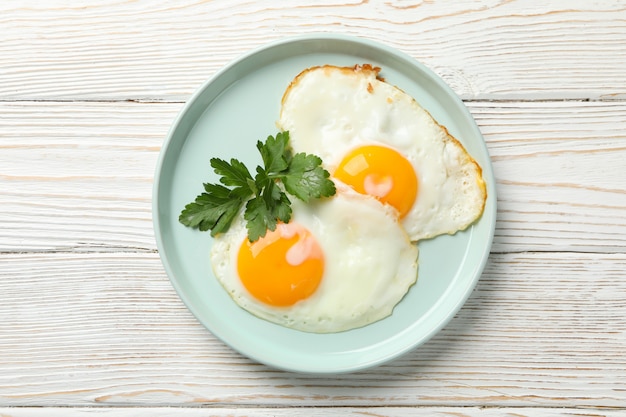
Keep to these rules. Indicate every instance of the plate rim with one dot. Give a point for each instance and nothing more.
(432, 77)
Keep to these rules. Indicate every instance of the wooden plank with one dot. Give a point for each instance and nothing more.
(157, 50)
(107, 329)
(80, 176)
(311, 412)
(560, 177)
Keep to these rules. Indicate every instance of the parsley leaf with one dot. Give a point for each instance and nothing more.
(235, 173)
(275, 153)
(264, 213)
(266, 203)
(307, 179)
(212, 210)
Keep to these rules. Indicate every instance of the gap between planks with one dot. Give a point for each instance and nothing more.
(323, 411)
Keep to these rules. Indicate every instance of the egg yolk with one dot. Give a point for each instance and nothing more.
(382, 173)
(283, 267)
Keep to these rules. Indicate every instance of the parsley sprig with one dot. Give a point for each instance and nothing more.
(301, 175)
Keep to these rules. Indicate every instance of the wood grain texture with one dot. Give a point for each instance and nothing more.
(158, 50)
(79, 176)
(90, 324)
(540, 330)
(311, 412)
(560, 177)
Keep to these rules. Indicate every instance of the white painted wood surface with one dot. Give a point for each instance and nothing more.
(312, 412)
(89, 323)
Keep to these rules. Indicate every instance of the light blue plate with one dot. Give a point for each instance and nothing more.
(225, 118)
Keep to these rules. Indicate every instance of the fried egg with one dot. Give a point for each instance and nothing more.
(340, 263)
(378, 140)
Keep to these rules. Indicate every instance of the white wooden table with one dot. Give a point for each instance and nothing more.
(89, 322)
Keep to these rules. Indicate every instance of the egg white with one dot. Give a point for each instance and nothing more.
(369, 265)
(329, 111)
